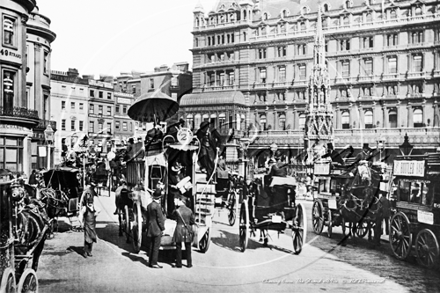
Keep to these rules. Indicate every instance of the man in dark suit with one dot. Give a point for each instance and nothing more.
(183, 233)
(210, 144)
(155, 226)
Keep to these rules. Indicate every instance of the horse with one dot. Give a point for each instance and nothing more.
(362, 205)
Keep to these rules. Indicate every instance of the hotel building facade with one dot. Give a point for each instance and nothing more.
(254, 58)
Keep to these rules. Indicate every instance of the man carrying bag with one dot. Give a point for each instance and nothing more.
(183, 232)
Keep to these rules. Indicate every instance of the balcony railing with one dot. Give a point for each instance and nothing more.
(19, 112)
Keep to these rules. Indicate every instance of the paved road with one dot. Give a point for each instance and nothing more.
(322, 266)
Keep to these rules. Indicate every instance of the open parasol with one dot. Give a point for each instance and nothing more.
(153, 107)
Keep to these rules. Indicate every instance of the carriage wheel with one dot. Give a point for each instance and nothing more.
(244, 225)
(204, 242)
(28, 282)
(127, 223)
(299, 229)
(329, 223)
(233, 206)
(362, 228)
(427, 248)
(400, 236)
(318, 217)
(137, 227)
(8, 282)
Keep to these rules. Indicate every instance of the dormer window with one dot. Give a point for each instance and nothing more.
(265, 16)
(325, 7)
(304, 10)
(348, 4)
(284, 13)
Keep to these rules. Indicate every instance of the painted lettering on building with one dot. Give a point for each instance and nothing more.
(409, 168)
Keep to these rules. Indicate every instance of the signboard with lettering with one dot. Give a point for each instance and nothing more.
(321, 169)
(409, 168)
(10, 54)
(184, 136)
(425, 217)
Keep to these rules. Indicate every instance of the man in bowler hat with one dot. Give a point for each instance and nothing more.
(155, 226)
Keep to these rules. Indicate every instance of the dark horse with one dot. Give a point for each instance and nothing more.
(31, 224)
(124, 203)
(361, 209)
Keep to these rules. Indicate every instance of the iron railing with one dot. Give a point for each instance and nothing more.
(19, 112)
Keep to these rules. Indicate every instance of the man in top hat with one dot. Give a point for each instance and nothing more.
(365, 154)
(155, 226)
(334, 155)
(88, 215)
(210, 144)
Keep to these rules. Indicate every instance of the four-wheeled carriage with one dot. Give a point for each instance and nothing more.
(349, 200)
(272, 206)
(415, 224)
(62, 193)
(23, 231)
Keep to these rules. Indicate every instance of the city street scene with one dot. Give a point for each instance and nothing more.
(220, 146)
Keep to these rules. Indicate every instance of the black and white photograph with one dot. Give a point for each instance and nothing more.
(219, 146)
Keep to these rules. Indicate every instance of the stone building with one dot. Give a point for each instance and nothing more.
(69, 106)
(101, 110)
(383, 59)
(38, 41)
(21, 111)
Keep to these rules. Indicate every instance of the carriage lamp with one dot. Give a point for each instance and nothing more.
(48, 136)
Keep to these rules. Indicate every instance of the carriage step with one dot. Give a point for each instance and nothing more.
(205, 202)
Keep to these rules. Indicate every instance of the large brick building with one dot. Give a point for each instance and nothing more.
(383, 59)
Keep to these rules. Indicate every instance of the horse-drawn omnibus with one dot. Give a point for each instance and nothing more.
(415, 224)
(146, 173)
(22, 236)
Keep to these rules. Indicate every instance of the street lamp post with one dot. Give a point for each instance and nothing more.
(48, 135)
(381, 147)
(406, 148)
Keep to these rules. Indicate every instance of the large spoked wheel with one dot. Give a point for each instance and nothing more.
(204, 242)
(299, 229)
(244, 225)
(318, 217)
(400, 236)
(362, 228)
(8, 284)
(329, 223)
(28, 282)
(427, 248)
(127, 223)
(136, 231)
(233, 206)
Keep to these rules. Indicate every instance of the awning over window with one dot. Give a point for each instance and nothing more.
(213, 98)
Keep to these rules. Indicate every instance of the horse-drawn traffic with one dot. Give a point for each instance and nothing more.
(349, 196)
(271, 205)
(415, 224)
(24, 226)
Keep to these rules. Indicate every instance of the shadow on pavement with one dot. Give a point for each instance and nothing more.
(110, 233)
(78, 249)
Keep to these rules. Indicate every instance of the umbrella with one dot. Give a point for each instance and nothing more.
(153, 107)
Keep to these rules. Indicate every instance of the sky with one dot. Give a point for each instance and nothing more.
(110, 37)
